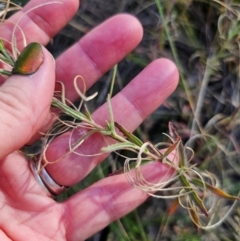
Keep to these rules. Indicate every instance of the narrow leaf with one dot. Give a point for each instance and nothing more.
(174, 206)
(221, 193)
(195, 198)
(68, 110)
(172, 147)
(181, 150)
(87, 113)
(215, 190)
(7, 58)
(194, 216)
(118, 146)
(131, 137)
(172, 131)
(5, 72)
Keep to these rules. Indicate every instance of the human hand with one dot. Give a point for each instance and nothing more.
(27, 212)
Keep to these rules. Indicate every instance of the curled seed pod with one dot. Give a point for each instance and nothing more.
(29, 60)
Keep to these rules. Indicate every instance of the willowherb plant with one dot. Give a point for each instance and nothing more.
(190, 186)
(196, 190)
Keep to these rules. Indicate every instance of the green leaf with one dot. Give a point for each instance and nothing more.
(195, 217)
(217, 191)
(5, 72)
(172, 147)
(68, 110)
(195, 198)
(118, 146)
(87, 113)
(7, 58)
(129, 135)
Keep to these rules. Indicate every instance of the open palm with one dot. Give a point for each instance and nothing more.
(26, 212)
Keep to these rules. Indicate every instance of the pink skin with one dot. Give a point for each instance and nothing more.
(26, 212)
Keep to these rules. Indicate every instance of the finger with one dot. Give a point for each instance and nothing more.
(17, 181)
(108, 200)
(27, 204)
(39, 20)
(24, 104)
(98, 51)
(131, 106)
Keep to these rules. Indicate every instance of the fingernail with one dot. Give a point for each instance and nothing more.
(29, 61)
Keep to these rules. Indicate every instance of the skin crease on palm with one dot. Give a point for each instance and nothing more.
(26, 212)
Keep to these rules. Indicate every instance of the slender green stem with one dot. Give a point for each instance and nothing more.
(113, 80)
(174, 52)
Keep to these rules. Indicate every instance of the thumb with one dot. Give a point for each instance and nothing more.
(24, 104)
